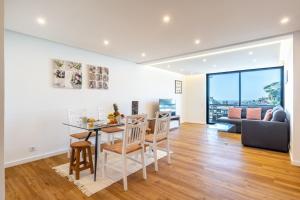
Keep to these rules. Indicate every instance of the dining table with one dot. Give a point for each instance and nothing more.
(94, 127)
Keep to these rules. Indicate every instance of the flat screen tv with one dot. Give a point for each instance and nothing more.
(167, 105)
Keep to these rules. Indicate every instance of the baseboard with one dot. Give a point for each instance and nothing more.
(34, 158)
(294, 162)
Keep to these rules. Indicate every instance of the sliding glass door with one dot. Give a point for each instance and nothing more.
(223, 92)
(259, 87)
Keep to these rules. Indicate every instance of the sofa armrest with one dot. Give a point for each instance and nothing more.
(266, 134)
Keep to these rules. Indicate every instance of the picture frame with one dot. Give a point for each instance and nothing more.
(178, 87)
(67, 74)
(98, 77)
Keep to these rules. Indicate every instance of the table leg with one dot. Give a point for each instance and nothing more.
(88, 137)
(96, 155)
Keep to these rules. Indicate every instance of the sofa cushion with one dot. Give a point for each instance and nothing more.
(234, 113)
(254, 113)
(230, 121)
(279, 116)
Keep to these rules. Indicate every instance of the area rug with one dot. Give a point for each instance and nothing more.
(86, 182)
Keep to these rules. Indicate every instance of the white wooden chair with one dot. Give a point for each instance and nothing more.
(161, 134)
(74, 117)
(133, 142)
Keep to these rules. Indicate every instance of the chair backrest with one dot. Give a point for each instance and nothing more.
(135, 130)
(102, 117)
(74, 117)
(162, 125)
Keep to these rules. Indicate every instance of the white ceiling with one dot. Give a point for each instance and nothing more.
(135, 26)
(260, 57)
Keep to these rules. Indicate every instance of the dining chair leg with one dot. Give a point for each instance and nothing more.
(168, 151)
(155, 156)
(143, 163)
(99, 151)
(70, 149)
(112, 139)
(105, 160)
(103, 163)
(124, 172)
(150, 149)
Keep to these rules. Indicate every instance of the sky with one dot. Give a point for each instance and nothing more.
(226, 86)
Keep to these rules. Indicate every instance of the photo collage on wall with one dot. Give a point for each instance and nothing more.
(98, 77)
(67, 74)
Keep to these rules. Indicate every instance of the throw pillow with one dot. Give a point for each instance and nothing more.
(234, 113)
(279, 116)
(279, 107)
(254, 113)
(268, 115)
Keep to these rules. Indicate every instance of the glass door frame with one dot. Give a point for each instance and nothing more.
(240, 88)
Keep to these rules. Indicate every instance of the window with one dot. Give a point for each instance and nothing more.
(259, 87)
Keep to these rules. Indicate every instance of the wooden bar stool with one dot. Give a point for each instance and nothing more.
(77, 148)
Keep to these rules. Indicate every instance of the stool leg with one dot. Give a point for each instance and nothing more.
(84, 157)
(90, 160)
(77, 165)
(71, 161)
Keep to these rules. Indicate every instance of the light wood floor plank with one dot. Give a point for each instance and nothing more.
(205, 165)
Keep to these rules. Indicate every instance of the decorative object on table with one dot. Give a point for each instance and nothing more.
(90, 122)
(134, 107)
(98, 77)
(67, 74)
(178, 87)
(116, 116)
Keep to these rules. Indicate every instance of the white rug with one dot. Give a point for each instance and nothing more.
(86, 182)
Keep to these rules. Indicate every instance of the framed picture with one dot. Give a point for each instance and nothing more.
(67, 74)
(98, 77)
(178, 87)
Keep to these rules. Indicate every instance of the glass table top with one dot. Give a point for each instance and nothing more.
(91, 126)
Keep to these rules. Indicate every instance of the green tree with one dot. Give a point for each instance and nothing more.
(273, 91)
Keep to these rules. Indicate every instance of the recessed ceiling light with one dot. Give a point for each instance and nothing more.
(106, 42)
(197, 41)
(250, 53)
(41, 20)
(204, 60)
(285, 20)
(143, 54)
(166, 19)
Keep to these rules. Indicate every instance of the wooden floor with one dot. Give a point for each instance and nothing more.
(205, 165)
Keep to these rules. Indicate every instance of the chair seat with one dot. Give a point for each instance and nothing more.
(82, 135)
(111, 130)
(81, 144)
(117, 147)
(150, 138)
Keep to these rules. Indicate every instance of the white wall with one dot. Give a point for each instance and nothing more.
(2, 191)
(295, 124)
(195, 99)
(35, 110)
(286, 56)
